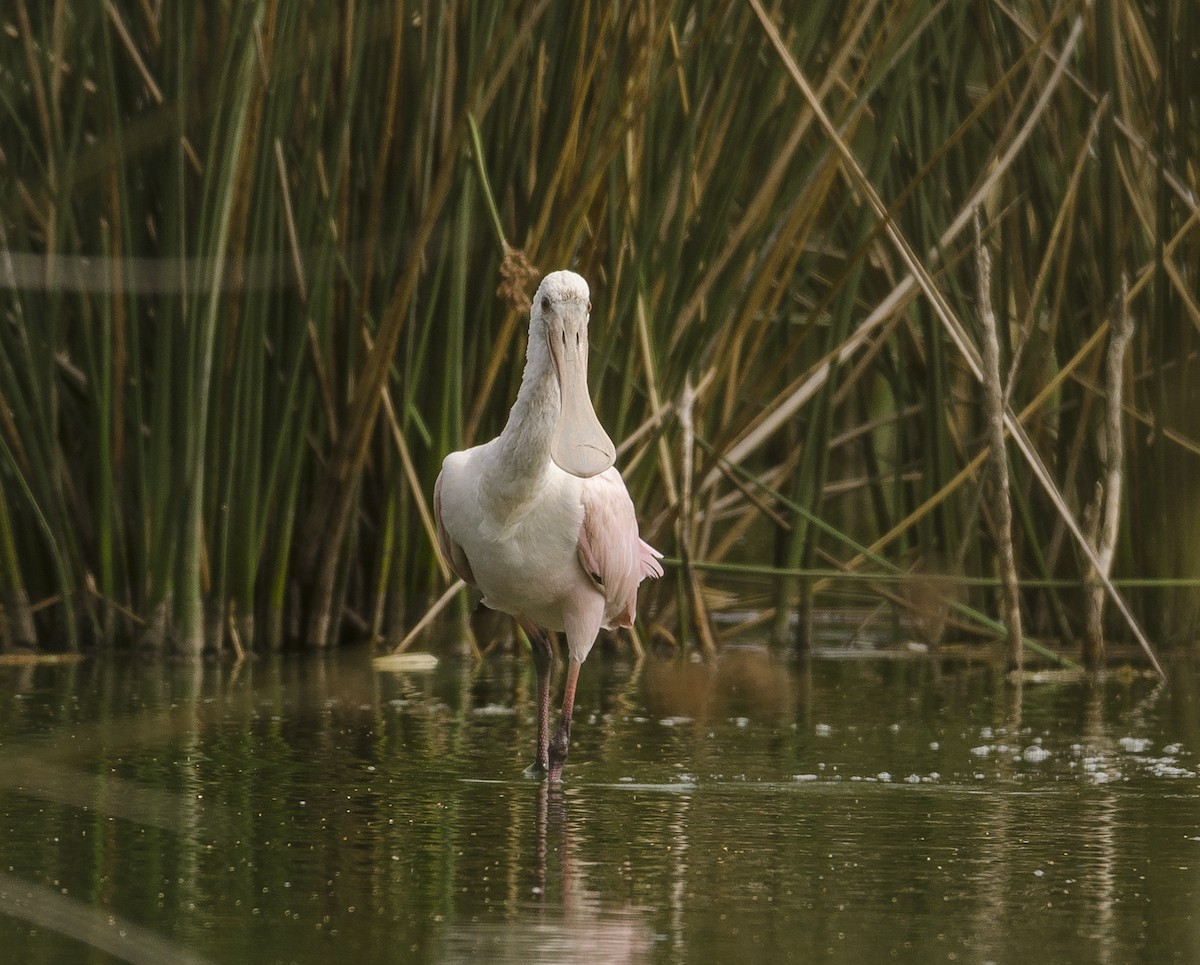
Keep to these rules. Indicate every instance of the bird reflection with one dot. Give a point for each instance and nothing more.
(565, 920)
(542, 818)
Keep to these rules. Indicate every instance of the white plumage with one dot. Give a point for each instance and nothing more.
(538, 518)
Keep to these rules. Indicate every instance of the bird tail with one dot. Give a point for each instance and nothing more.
(649, 558)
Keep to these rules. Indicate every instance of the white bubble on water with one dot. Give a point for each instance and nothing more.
(1035, 754)
(1135, 745)
(494, 710)
(1166, 767)
(675, 721)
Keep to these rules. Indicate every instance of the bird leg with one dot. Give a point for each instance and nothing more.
(543, 661)
(562, 737)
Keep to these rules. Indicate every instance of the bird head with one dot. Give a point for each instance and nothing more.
(560, 311)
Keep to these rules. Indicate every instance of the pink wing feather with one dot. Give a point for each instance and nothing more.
(610, 550)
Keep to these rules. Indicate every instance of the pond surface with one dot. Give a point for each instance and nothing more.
(853, 807)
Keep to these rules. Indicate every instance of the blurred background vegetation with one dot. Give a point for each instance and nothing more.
(262, 264)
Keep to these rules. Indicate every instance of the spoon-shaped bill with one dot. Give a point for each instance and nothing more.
(580, 445)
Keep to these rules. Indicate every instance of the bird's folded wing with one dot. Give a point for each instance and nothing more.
(453, 554)
(610, 550)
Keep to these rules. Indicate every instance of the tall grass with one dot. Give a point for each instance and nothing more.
(263, 264)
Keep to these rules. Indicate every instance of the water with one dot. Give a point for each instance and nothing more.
(865, 809)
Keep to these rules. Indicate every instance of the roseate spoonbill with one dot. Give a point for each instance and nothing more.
(539, 519)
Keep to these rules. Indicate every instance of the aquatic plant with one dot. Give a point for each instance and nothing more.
(263, 264)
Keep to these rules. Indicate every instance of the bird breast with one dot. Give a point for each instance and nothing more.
(523, 552)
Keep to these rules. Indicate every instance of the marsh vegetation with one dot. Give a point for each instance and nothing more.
(263, 264)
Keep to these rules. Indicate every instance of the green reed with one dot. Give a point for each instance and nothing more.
(264, 264)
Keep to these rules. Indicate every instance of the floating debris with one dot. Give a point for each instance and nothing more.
(406, 662)
(32, 658)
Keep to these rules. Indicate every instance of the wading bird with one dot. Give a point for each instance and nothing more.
(539, 519)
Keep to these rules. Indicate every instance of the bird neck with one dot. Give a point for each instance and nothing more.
(522, 455)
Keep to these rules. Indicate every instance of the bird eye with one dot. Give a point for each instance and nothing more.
(545, 303)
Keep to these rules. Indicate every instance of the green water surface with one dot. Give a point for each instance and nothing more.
(852, 808)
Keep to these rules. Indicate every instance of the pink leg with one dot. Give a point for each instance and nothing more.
(562, 737)
(543, 661)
